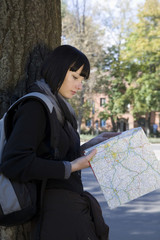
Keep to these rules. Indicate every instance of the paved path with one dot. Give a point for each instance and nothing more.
(137, 220)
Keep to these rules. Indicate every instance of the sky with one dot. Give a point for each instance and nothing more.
(134, 4)
(112, 3)
(101, 18)
(110, 36)
(106, 3)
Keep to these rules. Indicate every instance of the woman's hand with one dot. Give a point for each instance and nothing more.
(82, 162)
(100, 138)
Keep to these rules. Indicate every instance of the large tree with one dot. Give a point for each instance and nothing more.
(28, 29)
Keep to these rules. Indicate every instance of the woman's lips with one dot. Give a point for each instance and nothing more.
(73, 92)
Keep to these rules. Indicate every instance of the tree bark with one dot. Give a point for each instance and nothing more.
(148, 124)
(114, 127)
(28, 30)
(80, 111)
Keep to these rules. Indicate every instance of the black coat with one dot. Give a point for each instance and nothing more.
(67, 213)
(27, 153)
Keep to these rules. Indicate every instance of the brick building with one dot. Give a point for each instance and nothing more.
(124, 121)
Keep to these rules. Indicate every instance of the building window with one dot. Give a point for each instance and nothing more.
(88, 123)
(102, 122)
(102, 101)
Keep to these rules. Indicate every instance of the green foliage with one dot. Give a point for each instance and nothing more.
(145, 95)
(143, 45)
(141, 58)
(111, 81)
(63, 8)
(83, 106)
(129, 70)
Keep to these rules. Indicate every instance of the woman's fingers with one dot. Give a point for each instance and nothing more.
(91, 155)
(82, 162)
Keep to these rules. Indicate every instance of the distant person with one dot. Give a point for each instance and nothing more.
(155, 127)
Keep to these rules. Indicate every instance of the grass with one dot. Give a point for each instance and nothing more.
(85, 138)
(154, 140)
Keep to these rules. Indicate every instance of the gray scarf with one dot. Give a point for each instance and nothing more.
(45, 87)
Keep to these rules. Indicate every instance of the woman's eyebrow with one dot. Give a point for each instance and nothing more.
(77, 74)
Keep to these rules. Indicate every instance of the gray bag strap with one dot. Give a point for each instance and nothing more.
(45, 99)
(51, 109)
(32, 95)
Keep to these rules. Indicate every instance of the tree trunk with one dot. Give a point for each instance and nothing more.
(148, 124)
(28, 29)
(80, 111)
(114, 126)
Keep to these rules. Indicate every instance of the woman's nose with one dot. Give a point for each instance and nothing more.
(79, 86)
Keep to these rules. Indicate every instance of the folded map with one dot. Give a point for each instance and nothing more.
(126, 167)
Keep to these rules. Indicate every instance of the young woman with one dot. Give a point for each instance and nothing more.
(68, 212)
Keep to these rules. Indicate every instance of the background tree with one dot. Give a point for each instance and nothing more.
(141, 59)
(116, 105)
(79, 30)
(27, 30)
(111, 75)
(130, 68)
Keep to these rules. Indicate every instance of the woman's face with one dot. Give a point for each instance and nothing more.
(72, 83)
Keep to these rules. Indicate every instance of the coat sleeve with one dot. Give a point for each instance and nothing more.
(20, 161)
